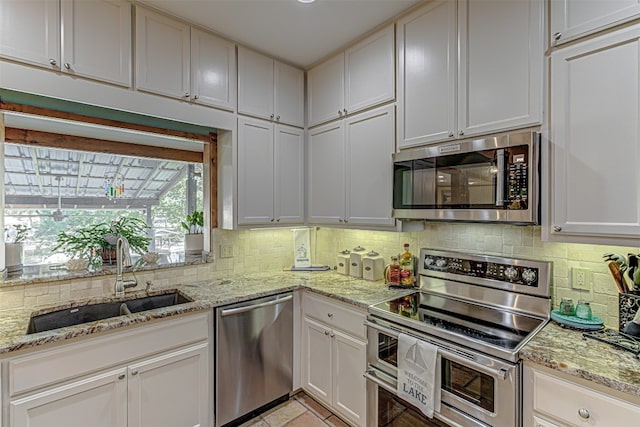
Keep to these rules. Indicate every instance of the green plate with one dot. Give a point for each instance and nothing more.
(575, 322)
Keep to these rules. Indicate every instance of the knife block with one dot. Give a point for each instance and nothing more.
(628, 306)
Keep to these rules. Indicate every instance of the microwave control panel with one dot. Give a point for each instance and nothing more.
(517, 181)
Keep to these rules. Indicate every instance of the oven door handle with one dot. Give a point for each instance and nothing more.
(370, 375)
(501, 373)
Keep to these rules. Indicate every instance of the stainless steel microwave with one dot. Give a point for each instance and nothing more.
(491, 179)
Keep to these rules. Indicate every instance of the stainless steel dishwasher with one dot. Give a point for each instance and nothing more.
(253, 355)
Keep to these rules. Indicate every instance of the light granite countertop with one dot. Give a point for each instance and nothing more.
(569, 352)
(205, 294)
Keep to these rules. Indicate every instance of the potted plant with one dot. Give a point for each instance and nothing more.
(194, 236)
(96, 243)
(13, 247)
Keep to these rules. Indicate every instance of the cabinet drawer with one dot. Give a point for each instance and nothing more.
(47, 367)
(578, 405)
(344, 317)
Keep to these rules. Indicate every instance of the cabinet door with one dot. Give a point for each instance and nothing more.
(595, 136)
(99, 401)
(289, 96)
(326, 164)
(96, 39)
(255, 84)
(325, 91)
(289, 175)
(571, 19)
(427, 94)
(370, 143)
(213, 70)
(170, 390)
(30, 31)
(162, 54)
(500, 71)
(349, 387)
(369, 71)
(317, 367)
(255, 172)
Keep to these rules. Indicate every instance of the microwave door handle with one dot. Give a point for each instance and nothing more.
(500, 178)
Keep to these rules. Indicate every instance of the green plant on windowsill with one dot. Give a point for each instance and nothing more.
(194, 223)
(96, 243)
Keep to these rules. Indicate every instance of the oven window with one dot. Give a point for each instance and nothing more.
(387, 349)
(395, 412)
(473, 386)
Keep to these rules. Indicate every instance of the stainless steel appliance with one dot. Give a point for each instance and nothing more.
(479, 311)
(492, 179)
(253, 355)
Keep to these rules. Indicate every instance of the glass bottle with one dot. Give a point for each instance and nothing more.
(394, 271)
(583, 310)
(406, 267)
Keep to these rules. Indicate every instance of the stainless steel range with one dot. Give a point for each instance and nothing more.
(479, 311)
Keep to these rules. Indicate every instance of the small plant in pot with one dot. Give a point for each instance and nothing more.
(13, 247)
(194, 233)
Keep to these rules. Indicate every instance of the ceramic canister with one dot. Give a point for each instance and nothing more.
(372, 266)
(355, 269)
(342, 262)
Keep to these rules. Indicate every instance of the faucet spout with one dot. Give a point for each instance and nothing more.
(123, 259)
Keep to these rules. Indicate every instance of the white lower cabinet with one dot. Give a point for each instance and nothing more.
(334, 357)
(148, 376)
(554, 401)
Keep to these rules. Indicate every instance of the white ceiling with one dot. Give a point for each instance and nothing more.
(301, 34)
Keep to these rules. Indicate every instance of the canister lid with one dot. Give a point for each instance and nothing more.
(345, 252)
(358, 249)
(372, 253)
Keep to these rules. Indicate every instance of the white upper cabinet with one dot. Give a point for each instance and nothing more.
(359, 78)
(163, 54)
(427, 94)
(88, 38)
(268, 89)
(270, 173)
(349, 160)
(460, 76)
(571, 19)
(175, 60)
(595, 138)
(213, 70)
(500, 68)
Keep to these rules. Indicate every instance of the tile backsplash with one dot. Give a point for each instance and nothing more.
(272, 249)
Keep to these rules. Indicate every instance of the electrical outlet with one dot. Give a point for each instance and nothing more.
(226, 251)
(581, 278)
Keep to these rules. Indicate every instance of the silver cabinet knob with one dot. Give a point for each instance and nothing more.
(121, 376)
(326, 333)
(67, 65)
(186, 94)
(53, 62)
(557, 36)
(584, 413)
(271, 116)
(278, 118)
(134, 372)
(461, 133)
(278, 220)
(557, 228)
(340, 113)
(196, 96)
(332, 335)
(345, 110)
(272, 219)
(329, 314)
(450, 134)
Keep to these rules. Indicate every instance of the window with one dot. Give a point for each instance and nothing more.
(52, 190)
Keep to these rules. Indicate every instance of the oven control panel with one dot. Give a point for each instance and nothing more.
(516, 274)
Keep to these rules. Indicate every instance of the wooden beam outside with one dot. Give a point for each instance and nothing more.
(71, 142)
(27, 109)
(211, 157)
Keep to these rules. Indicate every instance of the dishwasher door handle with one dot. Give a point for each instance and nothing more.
(245, 308)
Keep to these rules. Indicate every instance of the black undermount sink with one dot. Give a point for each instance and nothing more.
(92, 312)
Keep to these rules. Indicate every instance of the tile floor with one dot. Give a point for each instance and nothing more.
(299, 411)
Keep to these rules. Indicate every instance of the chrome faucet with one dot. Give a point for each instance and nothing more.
(123, 259)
